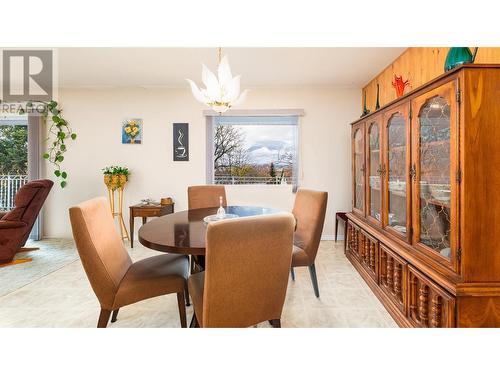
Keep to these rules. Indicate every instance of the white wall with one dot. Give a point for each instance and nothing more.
(96, 116)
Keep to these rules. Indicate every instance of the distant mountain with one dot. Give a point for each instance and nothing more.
(270, 145)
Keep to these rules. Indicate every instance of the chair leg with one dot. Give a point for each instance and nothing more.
(182, 309)
(103, 318)
(314, 279)
(114, 316)
(292, 272)
(276, 323)
(194, 322)
(336, 227)
(186, 294)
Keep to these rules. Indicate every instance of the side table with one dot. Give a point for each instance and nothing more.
(145, 211)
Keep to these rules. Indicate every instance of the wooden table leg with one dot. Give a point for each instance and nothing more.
(336, 226)
(131, 230)
(345, 236)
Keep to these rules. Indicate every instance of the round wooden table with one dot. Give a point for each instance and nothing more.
(184, 232)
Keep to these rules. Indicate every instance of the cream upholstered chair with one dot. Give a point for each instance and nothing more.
(117, 281)
(309, 211)
(246, 275)
(204, 196)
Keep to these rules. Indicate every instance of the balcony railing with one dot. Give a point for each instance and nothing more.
(9, 185)
(248, 180)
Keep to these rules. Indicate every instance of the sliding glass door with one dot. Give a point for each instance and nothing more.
(19, 158)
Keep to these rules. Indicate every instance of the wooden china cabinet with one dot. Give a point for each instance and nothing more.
(424, 231)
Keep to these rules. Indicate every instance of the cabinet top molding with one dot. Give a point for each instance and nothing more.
(425, 87)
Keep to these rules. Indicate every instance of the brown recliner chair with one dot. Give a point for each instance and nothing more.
(204, 196)
(116, 281)
(309, 211)
(16, 225)
(246, 275)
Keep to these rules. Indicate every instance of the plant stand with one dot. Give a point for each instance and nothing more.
(119, 214)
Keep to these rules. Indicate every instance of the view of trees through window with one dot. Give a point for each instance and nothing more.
(254, 154)
(13, 150)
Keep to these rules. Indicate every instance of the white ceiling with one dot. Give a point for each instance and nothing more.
(125, 67)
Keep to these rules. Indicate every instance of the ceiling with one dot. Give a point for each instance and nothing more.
(168, 67)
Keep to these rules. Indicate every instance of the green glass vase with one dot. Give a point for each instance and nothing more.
(457, 56)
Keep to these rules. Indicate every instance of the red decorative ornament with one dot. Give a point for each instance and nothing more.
(400, 85)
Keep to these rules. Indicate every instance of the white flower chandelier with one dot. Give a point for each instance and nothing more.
(221, 92)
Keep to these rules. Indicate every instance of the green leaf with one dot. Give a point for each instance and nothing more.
(53, 103)
(55, 111)
(63, 147)
(63, 184)
(73, 136)
(57, 173)
(64, 175)
(21, 111)
(46, 156)
(60, 158)
(56, 119)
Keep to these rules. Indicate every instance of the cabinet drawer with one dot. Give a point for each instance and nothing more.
(392, 277)
(368, 254)
(429, 304)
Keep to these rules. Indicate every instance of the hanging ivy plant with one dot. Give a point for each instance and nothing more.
(59, 133)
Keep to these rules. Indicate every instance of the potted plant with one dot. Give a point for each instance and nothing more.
(115, 177)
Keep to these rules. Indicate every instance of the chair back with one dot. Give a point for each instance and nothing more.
(246, 270)
(309, 211)
(29, 201)
(205, 196)
(101, 249)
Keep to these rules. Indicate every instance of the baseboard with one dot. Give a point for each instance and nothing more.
(331, 237)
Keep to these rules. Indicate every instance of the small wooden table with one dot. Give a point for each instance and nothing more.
(145, 211)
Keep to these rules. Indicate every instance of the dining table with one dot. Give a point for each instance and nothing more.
(184, 232)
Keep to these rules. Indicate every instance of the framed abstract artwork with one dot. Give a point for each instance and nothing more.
(132, 131)
(181, 141)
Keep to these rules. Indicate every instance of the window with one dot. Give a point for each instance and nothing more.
(252, 150)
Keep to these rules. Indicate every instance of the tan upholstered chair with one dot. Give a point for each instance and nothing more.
(205, 196)
(117, 281)
(246, 275)
(309, 211)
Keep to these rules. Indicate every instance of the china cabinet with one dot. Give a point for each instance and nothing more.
(423, 231)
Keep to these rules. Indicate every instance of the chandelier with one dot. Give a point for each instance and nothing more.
(221, 92)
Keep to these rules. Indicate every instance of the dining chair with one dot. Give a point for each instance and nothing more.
(116, 281)
(246, 274)
(205, 196)
(309, 211)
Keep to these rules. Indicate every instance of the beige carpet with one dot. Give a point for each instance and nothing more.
(52, 255)
(53, 291)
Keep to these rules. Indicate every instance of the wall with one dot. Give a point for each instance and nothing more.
(96, 116)
(420, 65)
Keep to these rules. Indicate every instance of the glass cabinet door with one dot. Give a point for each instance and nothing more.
(397, 156)
(435, 169)
(375, 171)
(358, 147)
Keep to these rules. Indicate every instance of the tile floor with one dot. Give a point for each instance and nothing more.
(57, 294)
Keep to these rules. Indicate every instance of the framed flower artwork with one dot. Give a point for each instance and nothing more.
(132, 131)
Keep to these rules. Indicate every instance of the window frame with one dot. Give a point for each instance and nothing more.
(211, 118)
